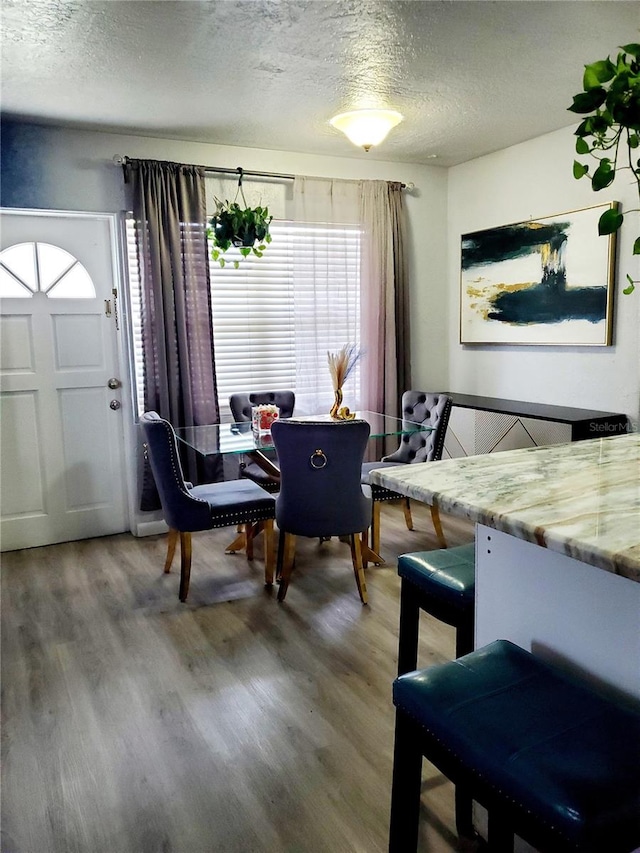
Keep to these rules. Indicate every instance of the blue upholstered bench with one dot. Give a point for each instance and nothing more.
(441, 583)
(553, 760)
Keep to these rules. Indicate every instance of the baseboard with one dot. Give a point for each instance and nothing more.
(150, 528)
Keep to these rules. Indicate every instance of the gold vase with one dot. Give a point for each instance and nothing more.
(336, 403)
(338, 411)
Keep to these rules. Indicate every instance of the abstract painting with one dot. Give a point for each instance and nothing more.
(544, 281)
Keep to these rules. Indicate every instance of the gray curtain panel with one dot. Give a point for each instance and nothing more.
(168, 203)
(385, 311)
(403, 326)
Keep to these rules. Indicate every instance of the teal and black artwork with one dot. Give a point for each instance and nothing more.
(541, 281)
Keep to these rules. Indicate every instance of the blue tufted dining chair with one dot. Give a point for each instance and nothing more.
(320, 491)
(430, 410)
(241, 405)
(188, 508)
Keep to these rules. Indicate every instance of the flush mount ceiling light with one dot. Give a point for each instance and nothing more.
(366, 127)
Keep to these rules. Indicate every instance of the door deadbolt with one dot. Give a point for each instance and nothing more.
(115, 405)
(114, 383)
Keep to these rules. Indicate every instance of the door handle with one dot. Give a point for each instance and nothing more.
(114, 383)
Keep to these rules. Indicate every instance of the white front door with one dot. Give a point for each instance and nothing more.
(61, 429)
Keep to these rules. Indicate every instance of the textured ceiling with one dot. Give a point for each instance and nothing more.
(469, 77)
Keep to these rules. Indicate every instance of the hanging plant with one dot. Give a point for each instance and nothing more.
(246, 228)
(611, 103)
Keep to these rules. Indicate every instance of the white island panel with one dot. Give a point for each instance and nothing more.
(563, 610)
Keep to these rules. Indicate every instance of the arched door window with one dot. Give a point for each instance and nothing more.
(29, 268)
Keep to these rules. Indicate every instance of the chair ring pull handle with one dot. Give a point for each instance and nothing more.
(318, 460)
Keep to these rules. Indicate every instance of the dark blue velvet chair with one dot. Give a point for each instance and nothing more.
(241, 405)
(320, 491)
(188, 508)
(430, 410)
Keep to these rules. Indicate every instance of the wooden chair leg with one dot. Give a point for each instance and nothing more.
(185, 565)
(172, 541)
(239, 543)
(288, 554)
(358, 570)
(406, 508)
(280, 556)
(375, 527)
(269, 557)
(364, 547)
(437, 526)
(249, 535)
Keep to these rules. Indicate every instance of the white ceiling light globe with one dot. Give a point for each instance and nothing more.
(366, 127)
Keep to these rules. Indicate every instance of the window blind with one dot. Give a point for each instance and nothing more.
(275, 317)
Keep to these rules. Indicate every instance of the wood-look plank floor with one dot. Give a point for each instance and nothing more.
(132, 723)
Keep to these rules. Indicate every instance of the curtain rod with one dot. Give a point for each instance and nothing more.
(121, 160)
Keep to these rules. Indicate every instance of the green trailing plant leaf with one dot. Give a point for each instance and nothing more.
(609, 222)
(585, 102)
(610, 129)
(597, 73)
(633, 49)
(579, 170)
(582, 147)
(603, 175)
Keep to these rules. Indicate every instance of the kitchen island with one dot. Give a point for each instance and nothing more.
(557, 547)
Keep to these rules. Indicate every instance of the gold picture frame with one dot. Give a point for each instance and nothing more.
(546, 281)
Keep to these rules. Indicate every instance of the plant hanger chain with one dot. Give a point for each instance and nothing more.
(240, 190)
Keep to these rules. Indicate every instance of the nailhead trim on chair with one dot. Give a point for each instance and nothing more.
(175, 465)
(379, 493)
(237, 517)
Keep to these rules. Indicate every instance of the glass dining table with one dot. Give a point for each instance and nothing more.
(239, 438)
(210, 439)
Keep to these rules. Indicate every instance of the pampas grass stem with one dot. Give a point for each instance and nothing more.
(342, 363)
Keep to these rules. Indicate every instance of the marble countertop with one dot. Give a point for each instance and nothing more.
(581, 499)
